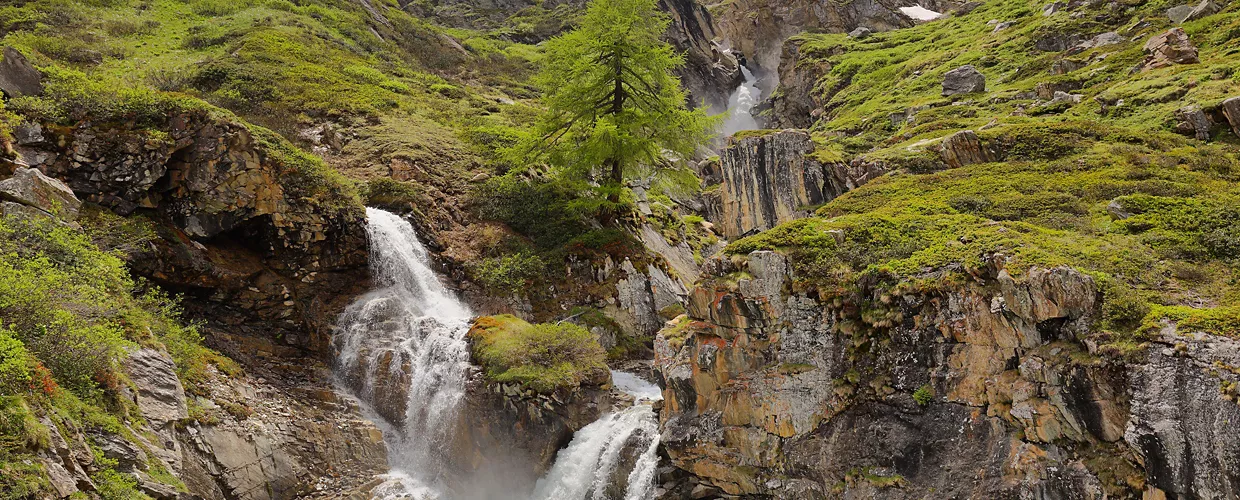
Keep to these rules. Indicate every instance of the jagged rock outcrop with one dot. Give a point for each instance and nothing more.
(774, 178)
(1169, 48)
(246, 439)
(1181, 14)
(259, 440)
(990, 387)
(710, 73)
(1191, 120)
(796, 104)
(758, 28)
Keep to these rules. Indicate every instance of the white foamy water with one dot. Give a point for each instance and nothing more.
(741, 104)
(412, 325)
(614, 457)
(635, 386)
(920, 13)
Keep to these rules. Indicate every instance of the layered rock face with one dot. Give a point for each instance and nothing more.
(986, 387)
(774, 178)
(758, 28)
(234, 232)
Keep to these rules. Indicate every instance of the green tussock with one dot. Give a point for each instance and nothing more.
(544, 357)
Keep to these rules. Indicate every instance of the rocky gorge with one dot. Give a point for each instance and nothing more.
(988, 255)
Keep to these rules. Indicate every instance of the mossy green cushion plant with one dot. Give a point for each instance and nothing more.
(544, 357)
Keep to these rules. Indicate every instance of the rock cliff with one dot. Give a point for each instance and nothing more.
(247, 225)
(265, 250)
(758, 28)
(984, 384)
(774, 178)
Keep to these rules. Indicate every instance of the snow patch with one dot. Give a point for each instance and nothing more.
(920, 13)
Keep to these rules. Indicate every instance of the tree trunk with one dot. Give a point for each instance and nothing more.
(617, 106)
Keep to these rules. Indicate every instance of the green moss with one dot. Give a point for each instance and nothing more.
(544, 357)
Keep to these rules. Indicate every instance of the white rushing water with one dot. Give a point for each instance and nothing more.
(614, 457)
(741, 104)
(416, 328)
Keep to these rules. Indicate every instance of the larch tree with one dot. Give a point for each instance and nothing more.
(612, 100)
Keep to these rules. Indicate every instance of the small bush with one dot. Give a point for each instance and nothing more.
(507, 274)
(924, 395)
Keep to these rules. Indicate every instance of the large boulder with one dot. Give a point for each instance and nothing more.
(1183, 13)
(1231, 110)
(29, 187)
(17, 76)
(963, 80)
(1168, 48)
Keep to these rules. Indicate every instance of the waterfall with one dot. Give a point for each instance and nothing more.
(402, 349)
(741, 104)
(615, 457)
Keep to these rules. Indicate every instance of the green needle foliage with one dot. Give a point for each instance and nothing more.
(611, 98)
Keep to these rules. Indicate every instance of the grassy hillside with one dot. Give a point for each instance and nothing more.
(404, 87)
(1168, 246)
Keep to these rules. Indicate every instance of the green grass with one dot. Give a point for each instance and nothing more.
(544, 357)
(69, 310)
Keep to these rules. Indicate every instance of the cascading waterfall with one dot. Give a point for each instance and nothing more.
(594, 464)
(401, 348)
(409, 332)
(741, 104)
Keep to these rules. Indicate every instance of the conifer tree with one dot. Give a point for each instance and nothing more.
(612, 100)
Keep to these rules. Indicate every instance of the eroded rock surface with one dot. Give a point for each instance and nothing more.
(987, 388)
(236, 229)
